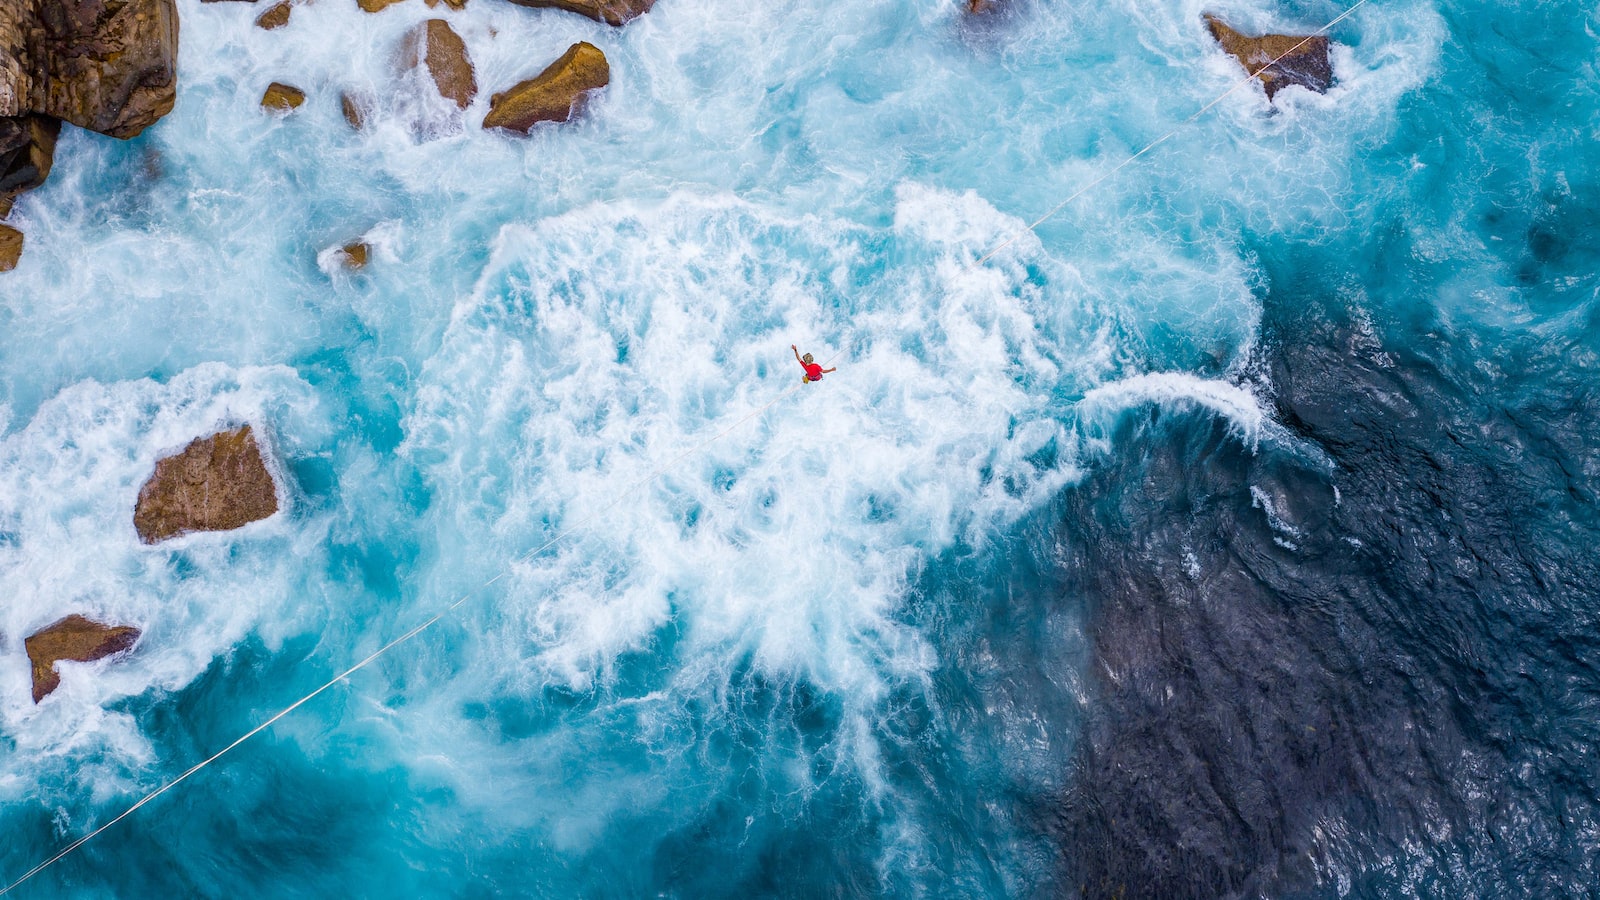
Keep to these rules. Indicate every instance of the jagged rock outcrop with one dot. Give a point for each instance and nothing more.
(10, 247)
(435, 43)
(73, 639)
(1305, 57)
(611, 12)
(554, 94)
(27, 148)
(106, 65)
(276, 16)
(216, 483)
(282, 97)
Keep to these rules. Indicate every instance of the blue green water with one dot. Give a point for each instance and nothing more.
(1230, 536)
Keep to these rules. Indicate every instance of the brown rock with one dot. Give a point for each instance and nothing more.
(453, 4)
(611, 12)
(355, 111)
(27, 147)
(437, 44)
(106, 65)
(283, 97)
(373, 6)
(276, 16)
(355, 255)
(215, 484)
(74, 639)
(1304, 57)
(10, 247)
(554, 94)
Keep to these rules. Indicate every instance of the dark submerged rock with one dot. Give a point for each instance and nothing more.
(216, 483)
(74, 639)
(27, 149)
(553, 95)
(611, 12)
(1305, 57)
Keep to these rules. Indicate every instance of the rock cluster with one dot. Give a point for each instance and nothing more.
(1304, 57)
(73, 639)
(214, 484)
(554, 94)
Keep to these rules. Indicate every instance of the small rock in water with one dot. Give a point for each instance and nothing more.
(611, 12)
(554, 94)
(282, 97)
(216, 483)
(10, 247)
(437, 44)
(453, 4)
(1305, 57)
(373, 6)
(276, 16)
(355, 255)
(74, 639)
(355, 111)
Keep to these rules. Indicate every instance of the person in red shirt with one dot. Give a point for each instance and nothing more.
(814, 371)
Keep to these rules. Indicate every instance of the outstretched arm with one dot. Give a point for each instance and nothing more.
(834, 369)
(796, 354)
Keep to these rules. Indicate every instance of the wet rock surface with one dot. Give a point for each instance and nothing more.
(1304, 668)
(27, 150)
(554, 95)
(74, 639)
(276, 16)
(10, 248)
(611, 12)
(110, 66)
(435, 44)
(282, 97)
(1305, 58)
(216, 483)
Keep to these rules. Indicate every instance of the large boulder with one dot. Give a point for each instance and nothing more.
(27, 148)
(554, 94)
(1304, 57)
(73, 639)
(215, 484)
(106, 65)
(611, 12)
(435, 43)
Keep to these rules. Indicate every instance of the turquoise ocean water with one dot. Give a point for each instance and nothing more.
(1228, 536)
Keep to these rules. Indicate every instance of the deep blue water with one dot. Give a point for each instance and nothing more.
(1231, 536)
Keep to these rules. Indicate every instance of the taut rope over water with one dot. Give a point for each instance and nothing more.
(436, 617)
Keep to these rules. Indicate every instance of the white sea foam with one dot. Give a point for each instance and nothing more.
(68, 481)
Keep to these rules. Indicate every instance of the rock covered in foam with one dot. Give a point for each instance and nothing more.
(453, 4)
(373, 6)
(74, 639)
(355, 255)
(437, 45)
(10, 247)
(1305, 57)
(216, 483)
(282, 97)
(611, 12)
(554, 94)
(110, 66)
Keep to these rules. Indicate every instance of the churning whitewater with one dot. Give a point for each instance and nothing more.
(1228, 535)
